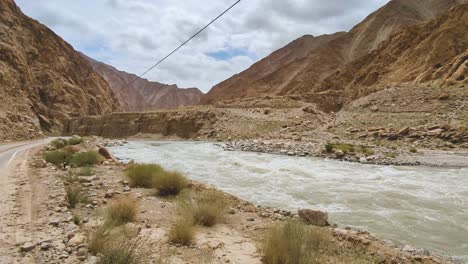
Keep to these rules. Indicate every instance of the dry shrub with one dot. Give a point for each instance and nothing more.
(182, 233)
(83, 159)
(143, 175)
(122, 211)
(74, 195)
(57, 157)
(293, 242)
(170, 183)
(206, 208)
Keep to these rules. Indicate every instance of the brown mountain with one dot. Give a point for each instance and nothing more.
(302, 66)
(144, 95)
(43, 80)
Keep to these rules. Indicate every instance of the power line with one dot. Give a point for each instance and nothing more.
(183, 44)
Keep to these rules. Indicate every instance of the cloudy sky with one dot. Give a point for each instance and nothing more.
(132, 34)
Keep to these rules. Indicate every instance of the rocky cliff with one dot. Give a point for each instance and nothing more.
(43, 80)
(144, 95)
(303, 68)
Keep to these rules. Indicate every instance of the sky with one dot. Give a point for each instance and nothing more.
(132, 35)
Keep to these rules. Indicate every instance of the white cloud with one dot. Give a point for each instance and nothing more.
(133, 35)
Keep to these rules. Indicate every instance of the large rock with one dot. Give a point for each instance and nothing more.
(314, 217)
(106, 154)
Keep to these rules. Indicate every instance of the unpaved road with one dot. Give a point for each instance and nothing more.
(18, 198)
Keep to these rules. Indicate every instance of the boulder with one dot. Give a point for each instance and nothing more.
(76, 240)
(106, 154)
(339, 154)
(314, 217)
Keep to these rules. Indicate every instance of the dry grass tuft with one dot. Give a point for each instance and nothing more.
(206, 208)
(170, 183)
(182, 233)
(143, 175)
(122, 211)
(293, 242)
(74, 195)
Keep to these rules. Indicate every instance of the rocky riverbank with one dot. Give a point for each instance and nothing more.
(62, 233)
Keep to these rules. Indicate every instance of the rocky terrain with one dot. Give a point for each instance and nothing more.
(324, 66)
(144, 95)
(43, 80)
(54, 232)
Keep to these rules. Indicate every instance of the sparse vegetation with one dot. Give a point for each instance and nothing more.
(70, 179)
(293, 242)
(143, 175)
(57, 157)
(413, 150)
(85, 171)
(70, 149)
(98, 239)
(170, 183)
(82, 159)
(123, 251)
(76, 219)
(182, 233)
(206, 208)
(74, 141)
(347, 148)
(59, 143)
(392, 155)
(73, 195)
(122, 211)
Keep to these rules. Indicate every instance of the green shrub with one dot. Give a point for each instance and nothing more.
(413, 150)
(76, 219)
(122, 211)
(206, 208)
(82, 159)
(329, 147)
(73, 195)
(182, 233)
(74, 140)
(86, 171)
(59, 143)
(57, 157)
(392, 155)
(143, 175)
(170, 183)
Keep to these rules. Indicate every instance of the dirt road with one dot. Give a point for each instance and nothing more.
(18, 197)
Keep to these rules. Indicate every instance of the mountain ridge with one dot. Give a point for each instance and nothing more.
(144, 95)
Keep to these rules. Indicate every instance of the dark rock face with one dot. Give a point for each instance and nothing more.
(144, 95)
(43, 80)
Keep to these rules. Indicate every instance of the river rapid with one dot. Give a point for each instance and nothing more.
(422, 206)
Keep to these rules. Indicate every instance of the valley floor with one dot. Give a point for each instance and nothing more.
(38, 227)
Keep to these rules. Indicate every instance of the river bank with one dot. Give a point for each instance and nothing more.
(235, 240)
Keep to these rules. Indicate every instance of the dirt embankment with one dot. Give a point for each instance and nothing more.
(56, 233)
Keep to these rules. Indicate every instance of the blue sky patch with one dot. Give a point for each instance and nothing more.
(229, 53)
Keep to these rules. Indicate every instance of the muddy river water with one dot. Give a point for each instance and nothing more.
(421, 206)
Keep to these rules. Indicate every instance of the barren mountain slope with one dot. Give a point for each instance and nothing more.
(144, 95)
(299, 75)
(43, 80)
(434, 51)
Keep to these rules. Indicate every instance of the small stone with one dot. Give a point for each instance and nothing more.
(82, 251)
(76, 240)
(250, 219)
(45, 246)
(127, 189)
(28, 246)
(363, 160)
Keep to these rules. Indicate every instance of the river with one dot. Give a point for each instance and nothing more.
(421, 206)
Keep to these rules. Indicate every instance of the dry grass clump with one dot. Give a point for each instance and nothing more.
(206, 208)
(143, 175)
(347, 148)
(293, 242)
(122, 211)
(123, 251)
(182, 233)
(74, 195)
(83, 159)
(170, 183)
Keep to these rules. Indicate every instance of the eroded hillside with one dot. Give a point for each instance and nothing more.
(43, 80)
(305, 73)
